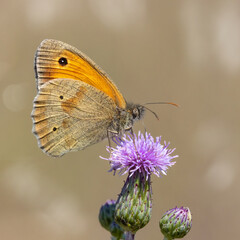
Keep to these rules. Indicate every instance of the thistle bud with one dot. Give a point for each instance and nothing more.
(176, 223)
(134, 204)
(106, 214)
(106, 219)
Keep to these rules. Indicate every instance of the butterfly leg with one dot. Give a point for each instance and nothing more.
(109, 138)
(132, 133)
(145, 129)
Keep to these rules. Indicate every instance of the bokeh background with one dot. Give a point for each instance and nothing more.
(184, 51)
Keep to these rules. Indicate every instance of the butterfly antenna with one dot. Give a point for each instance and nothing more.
(171, 103)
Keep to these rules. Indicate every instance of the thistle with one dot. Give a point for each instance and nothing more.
(176, 223)
(139, 156)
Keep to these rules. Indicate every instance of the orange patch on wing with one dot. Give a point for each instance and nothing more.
(69, 105)
(65, 123)
(77, 68)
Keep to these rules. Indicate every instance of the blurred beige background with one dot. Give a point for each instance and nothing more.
(185, 51)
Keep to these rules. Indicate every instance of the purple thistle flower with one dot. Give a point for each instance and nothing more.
(140, 154)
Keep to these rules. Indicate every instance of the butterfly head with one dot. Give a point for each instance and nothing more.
(128, 116)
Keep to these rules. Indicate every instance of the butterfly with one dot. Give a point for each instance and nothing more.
(77, 105)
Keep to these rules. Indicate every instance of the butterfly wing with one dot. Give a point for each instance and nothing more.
(55, 59)
(70, 115)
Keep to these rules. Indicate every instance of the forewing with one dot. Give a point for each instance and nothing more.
(55, 59)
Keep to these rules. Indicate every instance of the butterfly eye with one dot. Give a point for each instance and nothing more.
(61, 97)
(63, 61)
(54, 129)
(135, 113)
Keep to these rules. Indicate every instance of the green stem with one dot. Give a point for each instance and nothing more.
(129, 236)
(165, 238)
(115, 238)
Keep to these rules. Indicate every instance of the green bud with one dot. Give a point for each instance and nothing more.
(134, 204)
(106, 214)
(106, 219)
(176, 223)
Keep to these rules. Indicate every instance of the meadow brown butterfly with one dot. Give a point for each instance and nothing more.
(77, 104)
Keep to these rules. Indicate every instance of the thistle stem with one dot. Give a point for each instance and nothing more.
(165, 238)
(115, 238)
(129, 236)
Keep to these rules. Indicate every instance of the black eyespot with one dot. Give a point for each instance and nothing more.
(63, 61)
(54, 129)
(61, 97)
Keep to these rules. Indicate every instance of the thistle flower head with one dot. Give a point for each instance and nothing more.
(141, 153)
